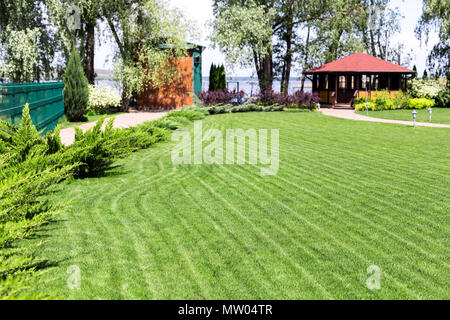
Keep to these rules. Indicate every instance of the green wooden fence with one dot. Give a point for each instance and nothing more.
(45, 100)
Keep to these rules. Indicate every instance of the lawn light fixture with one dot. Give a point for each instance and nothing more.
(414, 117)
(318, 108)
(367, 107)
(430, 111)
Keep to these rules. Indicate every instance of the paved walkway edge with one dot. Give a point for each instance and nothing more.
(125, 120)
(352, 115)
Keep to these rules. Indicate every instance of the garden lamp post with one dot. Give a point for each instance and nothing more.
(318, 108)
(414, 117)
(367, 94)
(430, 111)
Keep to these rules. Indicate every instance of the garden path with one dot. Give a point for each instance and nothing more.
(352, 115)
(125, 120)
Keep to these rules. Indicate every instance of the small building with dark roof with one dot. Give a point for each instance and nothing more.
(359, 75)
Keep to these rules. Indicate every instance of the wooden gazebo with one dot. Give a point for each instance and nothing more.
(340, 82)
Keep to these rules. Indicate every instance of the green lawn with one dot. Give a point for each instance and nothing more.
(348, 195)
(92, 118)
(440, 115)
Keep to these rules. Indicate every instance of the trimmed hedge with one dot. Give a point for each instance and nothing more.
(420, 103)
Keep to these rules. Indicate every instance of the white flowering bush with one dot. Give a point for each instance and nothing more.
(101, 98)
(22, 53)
(427, 88)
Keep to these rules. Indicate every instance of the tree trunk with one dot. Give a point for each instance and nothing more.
(126, 100)
(266, 80)
(288, 57)
(90, 53)
(371, 31)
(306, 58)
(264, 70)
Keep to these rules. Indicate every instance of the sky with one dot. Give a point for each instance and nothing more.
(201, 12)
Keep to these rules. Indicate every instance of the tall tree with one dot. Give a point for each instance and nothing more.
(267, 29)
(436, 16)
(243, 31)
(89, 13)
(415, 72)
(27, 39)
(149, 35)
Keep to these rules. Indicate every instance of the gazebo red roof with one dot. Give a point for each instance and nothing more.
(360, 63)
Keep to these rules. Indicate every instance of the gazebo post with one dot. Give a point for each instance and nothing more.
(335, 91)
(389, 85)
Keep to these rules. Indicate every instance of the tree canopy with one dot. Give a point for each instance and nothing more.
(436, 16)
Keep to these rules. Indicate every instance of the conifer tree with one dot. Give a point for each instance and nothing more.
(222, 83)
(76, 89)
(212, 77)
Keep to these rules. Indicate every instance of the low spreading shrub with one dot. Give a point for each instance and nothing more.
(363, 107)
(29, 168)
(101, 98)
(172, 123)
(226, 96)
(420, 103)
(298, 100)
(248, 106)
(190, 114)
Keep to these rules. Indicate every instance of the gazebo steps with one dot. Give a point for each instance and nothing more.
(343, 106)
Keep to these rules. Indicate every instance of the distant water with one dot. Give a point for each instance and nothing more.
(248, 85)
(109, 84)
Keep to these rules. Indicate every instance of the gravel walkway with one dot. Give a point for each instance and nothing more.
(125, 120)
(352, 115)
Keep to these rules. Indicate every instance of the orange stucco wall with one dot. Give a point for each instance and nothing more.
(174, 95)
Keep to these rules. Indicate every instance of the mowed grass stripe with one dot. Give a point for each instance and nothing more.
(281, 250)
(377, 248)
(374, 194)
(335, 238)
(290, 242)
(245, 236)
(293, 171)
(270, 289)
(389, 165)
(350, 141)
(395, 235)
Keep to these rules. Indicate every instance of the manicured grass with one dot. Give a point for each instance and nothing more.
(440, 115)
(91, 118)
(348, 195)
